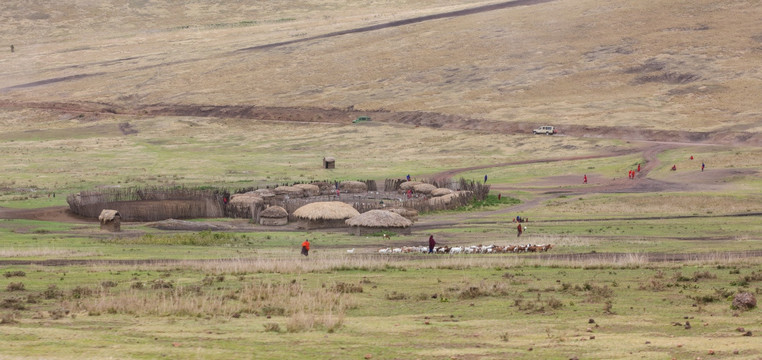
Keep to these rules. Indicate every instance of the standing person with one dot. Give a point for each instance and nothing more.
(520, 229)
(485, 179)
(306, 247)
(702, 166)
(408, 177)
(584, 179)
(338, 193)
(638, 167)
(409, 193)
(12, 48)
(432, 243)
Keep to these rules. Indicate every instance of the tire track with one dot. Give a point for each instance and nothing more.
(392, 24)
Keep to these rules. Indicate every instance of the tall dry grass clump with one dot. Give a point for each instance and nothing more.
(308, 309)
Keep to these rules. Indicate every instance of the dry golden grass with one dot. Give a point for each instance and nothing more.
(45, 252)
(656, 204)
(525, 63)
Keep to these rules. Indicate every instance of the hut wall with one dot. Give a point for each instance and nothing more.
(112, 225)
(273, 221)
(320, 224)
(362, 230)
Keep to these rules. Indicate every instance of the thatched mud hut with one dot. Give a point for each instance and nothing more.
(353, 187)
(408, 185)
(290, 191)
(244, 205)
(441, 192)
(408, 213)
(374, 221)
(110, 220)
(424, 188)
(443, 200)
(309, 189)
(273, 216)
(324, 214)
(329, 163)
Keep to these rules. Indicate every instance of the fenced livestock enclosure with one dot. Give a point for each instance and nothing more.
(161, 203)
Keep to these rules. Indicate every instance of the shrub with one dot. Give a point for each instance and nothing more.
(80, 292)
(597, 293)
(346, 288)
(395, 296)
(19, 286)
(52, 292)
(744, 301)
(14, 274)
(273, 311)
(12, 303)
(108, 284)
(703, 275)
(8, 318)
(554, 303)
(161, 284)
(272, 327)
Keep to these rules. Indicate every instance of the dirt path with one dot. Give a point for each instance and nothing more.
(55, 213)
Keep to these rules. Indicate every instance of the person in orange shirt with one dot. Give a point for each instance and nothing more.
(306, 247)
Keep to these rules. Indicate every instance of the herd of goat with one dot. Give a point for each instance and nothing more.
(474, 249)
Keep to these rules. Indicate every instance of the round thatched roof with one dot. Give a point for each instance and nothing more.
(326, 210)
(406, 212)
(441, 192)
(443, 200)
(353, 186)
(108, 215)
(309, 189)
(265, 193)
(407, 185)
(329, 158)
(379, 218)
(246, 199)
(424, 188)
(274, 212)
(289, 190)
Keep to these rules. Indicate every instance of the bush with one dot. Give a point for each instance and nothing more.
(272, 327)
(80, 292)
(395, 296)
(19, 286)
(346, 288)
(12, 303)
(744, 301)
(52, 292)
(14, 273)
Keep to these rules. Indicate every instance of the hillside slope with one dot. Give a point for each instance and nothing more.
(651, 64)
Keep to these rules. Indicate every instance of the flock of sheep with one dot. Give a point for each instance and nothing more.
(474, 249)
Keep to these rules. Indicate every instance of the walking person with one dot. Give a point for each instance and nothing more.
(306, 247)
(520, 229)
(408, 177)
(432, 243)
(702, 166)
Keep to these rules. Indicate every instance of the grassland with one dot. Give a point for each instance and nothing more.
(645, 268)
